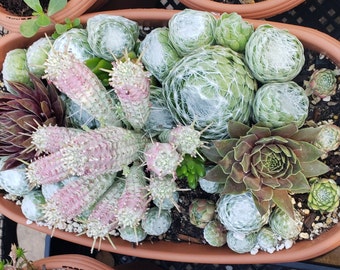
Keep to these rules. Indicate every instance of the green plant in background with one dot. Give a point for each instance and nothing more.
(18, 260)
(270, 163)
(42, 19)
(68, 25)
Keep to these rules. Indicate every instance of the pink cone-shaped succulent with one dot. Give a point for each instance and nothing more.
(185, 138)
(132, 84)
(79, 83)
(50, 139)
(103, 220)
(89, 154)
(74, 198)
(133, 203)
(162, 191)
(162, 158)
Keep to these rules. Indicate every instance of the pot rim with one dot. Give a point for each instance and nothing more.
(171, 251)
(259, 10)
(199, 253)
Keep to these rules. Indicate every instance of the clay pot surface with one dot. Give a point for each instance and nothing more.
(73, 9)
(71, 261)
(183, 251)
(259, 10)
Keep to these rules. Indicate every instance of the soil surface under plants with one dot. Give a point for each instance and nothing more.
(19, 7)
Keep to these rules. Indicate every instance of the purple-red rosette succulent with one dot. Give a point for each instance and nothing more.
(270, 163)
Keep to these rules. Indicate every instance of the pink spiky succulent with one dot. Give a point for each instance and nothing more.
(74, 198)
(185, 138)
(50, 139)
(133, 203)
(88, 154)
(103, 220)
(79, 83)
(162, 158)
(132, 86)
(162, 191)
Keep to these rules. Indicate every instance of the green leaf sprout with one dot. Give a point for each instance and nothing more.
(41, 19)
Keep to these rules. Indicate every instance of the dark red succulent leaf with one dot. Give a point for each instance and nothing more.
(21, 113)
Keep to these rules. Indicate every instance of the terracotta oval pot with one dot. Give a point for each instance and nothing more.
(82, 262)
(171, 251)
(71, 261)
(259, 10)
(73, 9)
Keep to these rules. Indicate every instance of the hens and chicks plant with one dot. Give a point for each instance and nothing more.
(99, 124)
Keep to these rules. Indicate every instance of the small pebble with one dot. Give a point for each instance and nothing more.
(329, 220)
(306, 211)
(304, 235)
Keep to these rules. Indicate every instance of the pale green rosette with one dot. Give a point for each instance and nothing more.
(111, 36)
(279, 104)
(191, 29)
(232, 31)
(274, 55)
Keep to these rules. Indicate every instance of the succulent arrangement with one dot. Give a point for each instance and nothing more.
(99, 136)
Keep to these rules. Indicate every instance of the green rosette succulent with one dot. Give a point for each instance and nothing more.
(238, 212)
(285, 226)
(278, 104)
(208, 88)
(157, 53)
(201, 212)
(191, 29)
(322, 83)
(103, 27)
(269, 163)
(267, 239)
(241, 243)
(328, 138)
(274, 55)
(15, 69)
(37, 54)
(232, 31)
(324, 195)
(215, 234)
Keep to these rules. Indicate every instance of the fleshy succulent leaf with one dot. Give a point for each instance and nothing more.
(236, 173)
(271, 182)
(314, 168)
(259, 131)
(299, 183)
(282, 199)
(211, 154)
(262, 206)
(224, 146)
(227, 162)
(240, 149)
(309, 152)
(306, 134)
(232, 187)
(237, 129)
(216, 174)
(252, 183)
(286, 131)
